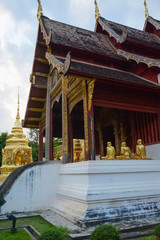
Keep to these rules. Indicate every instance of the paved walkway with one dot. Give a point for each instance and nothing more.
(58, 220)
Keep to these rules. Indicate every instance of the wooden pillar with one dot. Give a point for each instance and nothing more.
(91, 133)
(51, 135)
(70, 137)
(40, 152)
(133, 131)
(159, 126)
(64, 120)
(148, 128)
(155, 126)
(145, 128)
(47, 131)
(152, 128)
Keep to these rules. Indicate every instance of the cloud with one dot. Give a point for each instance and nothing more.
(82, 11)
(14, 66)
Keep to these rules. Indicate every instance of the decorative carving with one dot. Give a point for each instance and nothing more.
(64, 118)
(40, 11)
(90, 93)
(61, 67)
(85, 115)
(122, 132)
(112, 33)
(154, 23)
(139, 59)
(46, 37)
(97, 14)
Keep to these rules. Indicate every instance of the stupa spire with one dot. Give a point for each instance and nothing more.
(18, 116)
(40, 10)
(146, 10)
(97, 14)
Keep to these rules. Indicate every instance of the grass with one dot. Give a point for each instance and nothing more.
(19, 235)
(148, 238)
(39, 223)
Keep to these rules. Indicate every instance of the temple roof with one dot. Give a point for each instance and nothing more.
(133, 35)
(77, 38)
(117, 75)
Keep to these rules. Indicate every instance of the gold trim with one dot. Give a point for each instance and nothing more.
(31, 126)
(35, 109)
(139, 59)
(42, 60)
(38, 99)
(90, 93)
(39, 74)
(33, 119)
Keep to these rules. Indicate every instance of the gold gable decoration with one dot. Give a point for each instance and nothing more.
(40, 10)
(146, 10)
(97, 14)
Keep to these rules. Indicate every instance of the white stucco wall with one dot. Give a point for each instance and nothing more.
(35, 189)
(153, 151)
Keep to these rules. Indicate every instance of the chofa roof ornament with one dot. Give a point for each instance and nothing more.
(40, 10)
(97, 14)
(146, 10)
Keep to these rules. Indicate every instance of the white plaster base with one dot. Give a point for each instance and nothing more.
(35, 189)
(153, 151)
(106, 191)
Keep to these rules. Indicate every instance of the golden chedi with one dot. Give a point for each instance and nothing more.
(125, 152)
(140, 151)
(16, 152)
(110, 152)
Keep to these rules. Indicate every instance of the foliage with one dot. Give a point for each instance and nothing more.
(105, 232)
(19, 235)
(57, 142)
(157, 231)
(3, 138)
(39, 223)
(59, 233)
(33, 142)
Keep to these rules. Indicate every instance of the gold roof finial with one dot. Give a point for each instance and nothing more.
(146, 10)
(97, 14)
(40, 10)
(18, 117)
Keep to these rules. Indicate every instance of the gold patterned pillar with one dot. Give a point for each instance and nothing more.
(116, 135)
(85, 112)
(47, 130)
(64, 121)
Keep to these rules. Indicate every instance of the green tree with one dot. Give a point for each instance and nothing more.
(3, 138)
(34, 142)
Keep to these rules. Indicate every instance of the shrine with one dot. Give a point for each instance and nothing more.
(103, 87)
(16, 152)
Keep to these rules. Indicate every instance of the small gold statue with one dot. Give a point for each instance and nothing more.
(140, 151)
(125, 152)
(110, 152)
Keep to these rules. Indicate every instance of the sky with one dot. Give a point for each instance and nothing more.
(18, 32)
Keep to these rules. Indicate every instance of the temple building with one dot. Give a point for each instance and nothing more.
(16, 152)
(98, 86)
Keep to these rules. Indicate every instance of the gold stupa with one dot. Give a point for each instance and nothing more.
(16, 152)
